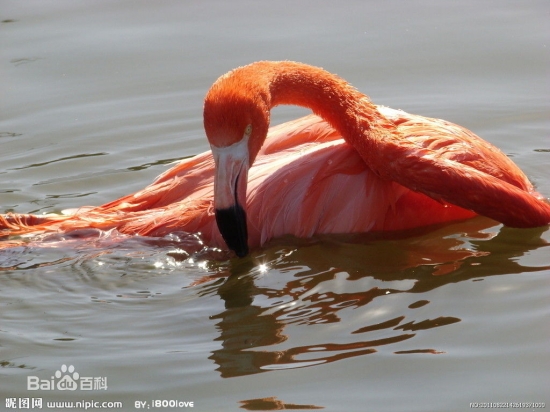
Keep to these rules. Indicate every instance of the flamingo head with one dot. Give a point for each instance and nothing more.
(236, 120)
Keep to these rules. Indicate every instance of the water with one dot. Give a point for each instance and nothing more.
(99, 96)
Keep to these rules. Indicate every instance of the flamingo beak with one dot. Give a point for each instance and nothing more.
(230, 182)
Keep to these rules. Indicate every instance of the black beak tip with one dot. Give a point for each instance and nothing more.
(232, 225)
(242, 252)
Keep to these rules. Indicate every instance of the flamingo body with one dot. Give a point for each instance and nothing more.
(310, 177)
(318, 183)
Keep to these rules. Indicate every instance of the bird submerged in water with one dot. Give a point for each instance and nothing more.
(352, 167)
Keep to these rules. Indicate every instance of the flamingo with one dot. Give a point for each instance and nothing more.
(350, 167)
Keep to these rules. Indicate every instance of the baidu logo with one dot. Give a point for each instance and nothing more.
(66, 379)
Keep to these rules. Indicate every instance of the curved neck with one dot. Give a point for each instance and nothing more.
(346, 109)
(326, 94)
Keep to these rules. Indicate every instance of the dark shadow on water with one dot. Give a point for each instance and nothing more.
(252, 326)
(61, 159)
(273, 404)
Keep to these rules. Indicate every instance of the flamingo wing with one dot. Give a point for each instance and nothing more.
(449, 163)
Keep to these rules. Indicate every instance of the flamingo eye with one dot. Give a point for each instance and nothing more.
(248, 131)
